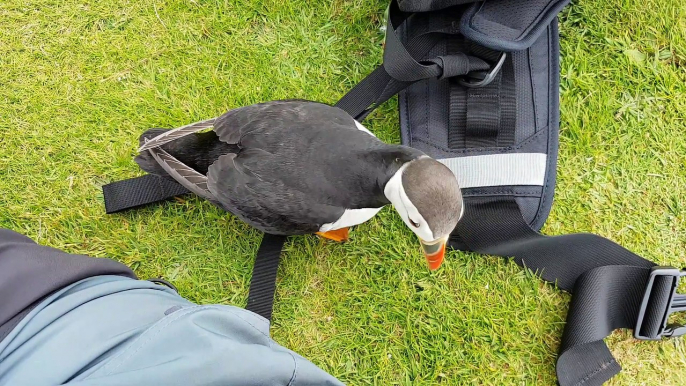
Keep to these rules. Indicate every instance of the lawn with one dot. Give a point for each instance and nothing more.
(80, 82)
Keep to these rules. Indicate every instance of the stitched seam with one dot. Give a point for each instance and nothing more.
(481, 149)
(535, 93)
(426, 108)
(251, 325)
(549, 158)
(149, 338)
(595, 372)
(410, 135)
(295, 370)
(503, 192)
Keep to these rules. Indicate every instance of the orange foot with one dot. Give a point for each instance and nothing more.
(338, 235)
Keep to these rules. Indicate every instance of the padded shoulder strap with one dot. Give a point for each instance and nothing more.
(502, 25)
(509, 25)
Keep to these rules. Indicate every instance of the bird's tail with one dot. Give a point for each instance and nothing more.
(145, 160)
(196, 150)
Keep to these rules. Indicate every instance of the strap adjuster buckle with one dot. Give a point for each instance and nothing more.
(675, 303)
(478, 79)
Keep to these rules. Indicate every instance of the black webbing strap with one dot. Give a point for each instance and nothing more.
(607, 282)
(263, 281)
(484, 105)
(508, 104)
(405, 64)
(139, 191)
(483, 115)
(457, 115)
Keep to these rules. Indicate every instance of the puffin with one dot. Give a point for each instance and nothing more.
(296, 167)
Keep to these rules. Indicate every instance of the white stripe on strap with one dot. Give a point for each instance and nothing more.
(498, 169)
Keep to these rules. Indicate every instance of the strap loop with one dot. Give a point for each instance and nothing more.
(452, 65)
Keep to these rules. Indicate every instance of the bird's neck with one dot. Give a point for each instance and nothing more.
(393, 189)
(394, 160)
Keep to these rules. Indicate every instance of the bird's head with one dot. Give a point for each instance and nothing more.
(428, 198)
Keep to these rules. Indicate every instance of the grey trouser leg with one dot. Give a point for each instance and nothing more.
(115, 330)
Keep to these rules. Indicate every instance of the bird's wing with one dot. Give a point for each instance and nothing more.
(267, 120)
(171, 135)
(246, 185)
(183, 174)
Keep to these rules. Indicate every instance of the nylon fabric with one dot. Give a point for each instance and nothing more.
(606, 279)
(112, 330)
(30, 272)
(508, 105)
(508, 25)
(483, 115)
(263, 281)
(525, 125)
(429, 5)
(136, 192)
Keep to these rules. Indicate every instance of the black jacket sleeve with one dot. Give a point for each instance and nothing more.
(29, 272)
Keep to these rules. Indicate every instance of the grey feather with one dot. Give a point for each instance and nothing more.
(177, 133)
(186, 176)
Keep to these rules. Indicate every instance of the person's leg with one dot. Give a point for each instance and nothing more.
(114, 330)
(29, 272)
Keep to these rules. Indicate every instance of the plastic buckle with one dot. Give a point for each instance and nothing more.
(675, 303)
(478, 79)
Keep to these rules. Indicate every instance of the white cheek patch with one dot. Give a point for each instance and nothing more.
(395, 193)
(424, 232)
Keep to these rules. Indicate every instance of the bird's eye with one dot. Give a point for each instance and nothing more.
(414, 224)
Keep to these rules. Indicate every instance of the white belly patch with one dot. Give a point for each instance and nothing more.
(351, 217)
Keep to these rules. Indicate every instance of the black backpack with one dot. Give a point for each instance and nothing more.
(478, 89)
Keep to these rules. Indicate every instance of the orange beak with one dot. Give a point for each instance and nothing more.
(434, 252)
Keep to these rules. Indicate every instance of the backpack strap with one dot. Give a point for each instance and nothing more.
(496, 126)
(498, 131)
(263, 281)
(136, 192)
(610, 284)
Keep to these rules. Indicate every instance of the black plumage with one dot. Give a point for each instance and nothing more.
(284, 167)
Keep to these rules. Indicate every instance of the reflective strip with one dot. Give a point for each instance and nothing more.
(498, 169)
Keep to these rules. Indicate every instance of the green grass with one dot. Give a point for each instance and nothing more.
(80, 82)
